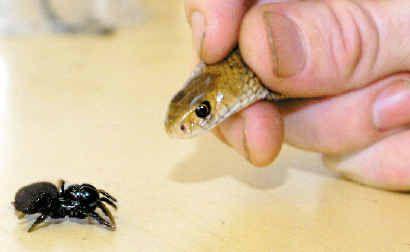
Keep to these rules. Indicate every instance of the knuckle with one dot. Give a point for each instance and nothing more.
(358, 33)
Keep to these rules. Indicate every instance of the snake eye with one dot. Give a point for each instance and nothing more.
(203, 109)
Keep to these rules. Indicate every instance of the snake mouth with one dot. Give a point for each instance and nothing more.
(178, 131)
(183, 131)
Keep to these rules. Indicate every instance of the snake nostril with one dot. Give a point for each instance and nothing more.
(182, 127)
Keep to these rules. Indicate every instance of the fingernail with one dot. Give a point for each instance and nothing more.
(391, 107)
(247, 152)
(288, 53)
(198, 30)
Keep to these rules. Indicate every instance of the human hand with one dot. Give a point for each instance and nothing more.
(349, 58)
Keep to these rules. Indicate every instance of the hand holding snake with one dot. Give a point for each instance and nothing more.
(348, 59)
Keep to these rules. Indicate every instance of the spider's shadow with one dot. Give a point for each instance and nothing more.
(90, 233)
(212, 160)
(27, 220)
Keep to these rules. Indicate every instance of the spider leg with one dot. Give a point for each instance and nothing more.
(101, 220)
(107, 195)
(107, 212)
(61, 184)
(109, 202)
(38, 221)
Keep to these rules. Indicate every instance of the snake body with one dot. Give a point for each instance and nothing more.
(213, 93)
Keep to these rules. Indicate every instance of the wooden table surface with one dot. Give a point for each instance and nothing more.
(91, 109)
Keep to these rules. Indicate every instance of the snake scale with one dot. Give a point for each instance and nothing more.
(213, 93)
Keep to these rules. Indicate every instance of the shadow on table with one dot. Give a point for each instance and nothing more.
(64, 235)
(212, 160)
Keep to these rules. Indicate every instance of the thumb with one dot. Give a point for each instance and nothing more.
(315, 48)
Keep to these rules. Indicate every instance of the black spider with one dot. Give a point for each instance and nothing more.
(77, 201)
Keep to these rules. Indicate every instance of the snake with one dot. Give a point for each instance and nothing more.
(213, 93)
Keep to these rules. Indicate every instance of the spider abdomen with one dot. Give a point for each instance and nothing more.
(35, 197)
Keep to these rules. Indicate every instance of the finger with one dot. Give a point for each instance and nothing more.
(256, 133)
(385, 164)
(316, 48)
(350, 121)
(215, 25)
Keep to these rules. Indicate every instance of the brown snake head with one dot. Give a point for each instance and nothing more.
(212, 94)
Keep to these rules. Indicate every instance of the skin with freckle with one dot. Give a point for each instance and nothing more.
(212, 94)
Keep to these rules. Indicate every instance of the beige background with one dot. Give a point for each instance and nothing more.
(90, 109)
